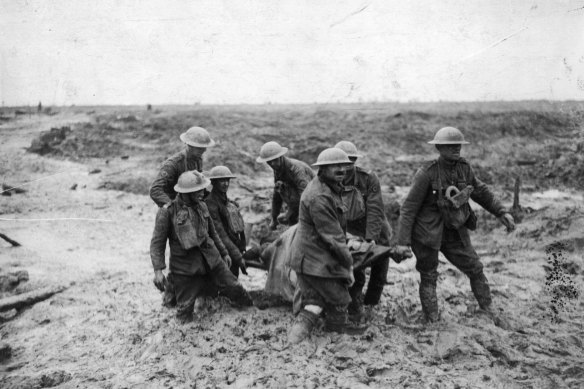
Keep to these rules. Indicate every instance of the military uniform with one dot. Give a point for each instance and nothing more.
(320, 256)
(422, 226)
(366, 219)
(161, 190)
(195, 254)
(229, 225)
(290, 180)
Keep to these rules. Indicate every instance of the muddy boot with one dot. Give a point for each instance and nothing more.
(429, 301)
(482, 292)
(337, 321)
(304, 323)
(355, 308)
(238, 295)
(480, 288)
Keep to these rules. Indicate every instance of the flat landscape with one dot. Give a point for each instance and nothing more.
(84, 221)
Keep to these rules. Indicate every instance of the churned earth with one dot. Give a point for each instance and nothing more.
(86, 222)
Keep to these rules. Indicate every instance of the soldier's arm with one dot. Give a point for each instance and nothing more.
(324, 216)
(484, 197)
(166, 176)
(301, 178)
(411, 206)
(232, 249)
(374, 206)
(213, 235)
(276, 205)
(159, 238)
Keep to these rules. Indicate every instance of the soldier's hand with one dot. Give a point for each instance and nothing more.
(508, 221)
(242, 267)
(159, 280)
(227, 260)
(351, 277)
(402, 252)
(274, 224)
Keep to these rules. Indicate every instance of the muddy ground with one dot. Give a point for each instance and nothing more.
(85, 221)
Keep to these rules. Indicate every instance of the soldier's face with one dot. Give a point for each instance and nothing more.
(221, 184)
(195, 197)
(449, 152)
(196, 152)
(275, 163)
(334, 173)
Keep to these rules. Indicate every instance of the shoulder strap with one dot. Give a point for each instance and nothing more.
(440, 195)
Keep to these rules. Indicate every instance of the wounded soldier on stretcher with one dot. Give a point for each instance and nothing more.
(273, 254)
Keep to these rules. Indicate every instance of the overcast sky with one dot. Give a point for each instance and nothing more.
(138, 52)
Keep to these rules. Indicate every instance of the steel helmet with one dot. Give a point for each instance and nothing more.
(197, 137)
(448, 136)
(219, 172)
(271, 150)
(191, 181)
(332, 156)
(349, 148)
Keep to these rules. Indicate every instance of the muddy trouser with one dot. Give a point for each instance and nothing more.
(189, 287)
(331, 294)
(169, 296)
(463, 257)
(377, 276)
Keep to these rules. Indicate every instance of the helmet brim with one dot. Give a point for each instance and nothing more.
(206, 182)
(324, 163)
(189, 142)
(219, 177)
(282, 152)
(446, 142)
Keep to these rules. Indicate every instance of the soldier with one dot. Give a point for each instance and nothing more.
(226, 217)
(197, 140)
(319, 253)
(290, 179)
(366, 219)
(436, 216)
(195, 248)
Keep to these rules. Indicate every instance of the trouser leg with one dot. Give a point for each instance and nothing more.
(377, 280)
(229, 286)
(332, 294)
(169, 296)
(467, 261)
(427, 266)
(187, 289)
(356, 292)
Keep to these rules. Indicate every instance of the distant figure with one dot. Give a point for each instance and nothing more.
(149, 107)
(290, 179)
(435, 217)
(39, 108)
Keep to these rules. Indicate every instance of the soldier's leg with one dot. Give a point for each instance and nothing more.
(228, 285)
(467, 261)
(427, 266)
(377, 280)
(378, 275)
(312, 306)
(187, 289)
(169, 296)
(234, 269)
(356, 292)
